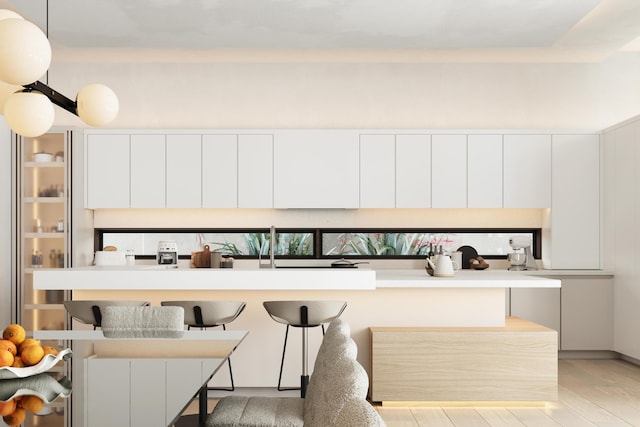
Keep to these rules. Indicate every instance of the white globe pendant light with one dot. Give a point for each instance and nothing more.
(25, 56)
(25, 52)
(97, 104)
(29, 114)
(5, 90)
(7, 14)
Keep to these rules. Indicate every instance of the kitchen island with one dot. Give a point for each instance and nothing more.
(382, 298)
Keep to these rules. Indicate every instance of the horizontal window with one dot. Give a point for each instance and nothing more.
(321, 243)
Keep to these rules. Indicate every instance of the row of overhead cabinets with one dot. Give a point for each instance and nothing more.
(350, 169)
(334, 169)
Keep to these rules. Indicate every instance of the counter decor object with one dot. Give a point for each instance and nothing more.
(201, 259)
(478, 263)
(116, 257)
(47, 362)
(468, 253)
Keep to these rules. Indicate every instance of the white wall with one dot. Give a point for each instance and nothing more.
(348, 95)
(622, 226)
(5, 224)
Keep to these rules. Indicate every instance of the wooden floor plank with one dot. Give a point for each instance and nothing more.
(499, 417)
(427, 417)
(465, 416)
(397, 417)
(534, 417)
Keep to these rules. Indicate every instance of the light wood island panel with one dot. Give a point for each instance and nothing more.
(518, 362)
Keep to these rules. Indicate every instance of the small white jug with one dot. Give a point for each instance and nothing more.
(444, 266)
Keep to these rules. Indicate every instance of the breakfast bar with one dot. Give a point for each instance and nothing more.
(375, 298)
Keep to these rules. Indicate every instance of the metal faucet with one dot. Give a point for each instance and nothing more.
(272, 250)
(272, 247)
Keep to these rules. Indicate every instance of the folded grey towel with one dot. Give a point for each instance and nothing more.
(143, 322)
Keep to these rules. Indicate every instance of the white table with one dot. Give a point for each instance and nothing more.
(144, 381)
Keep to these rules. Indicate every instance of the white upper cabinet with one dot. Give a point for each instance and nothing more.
(575, 207)
(484, 171)
(527, 171)
(449, 171)
(316, 169)
(219, 171)
(184, 171)
(148, 171)
(413, 171)
(107, 171)
(377, 171)
(255, 171)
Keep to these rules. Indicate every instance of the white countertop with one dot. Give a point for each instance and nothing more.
(463, 279)
(150, 278)
(158, 278)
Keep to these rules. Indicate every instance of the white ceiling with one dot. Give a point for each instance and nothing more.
(380, 30)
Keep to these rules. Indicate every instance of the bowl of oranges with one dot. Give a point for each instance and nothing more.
(21, 356)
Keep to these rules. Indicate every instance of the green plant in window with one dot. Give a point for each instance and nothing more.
(380, 244)
(294, 244)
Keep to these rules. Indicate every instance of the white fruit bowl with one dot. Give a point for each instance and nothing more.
(47, 362)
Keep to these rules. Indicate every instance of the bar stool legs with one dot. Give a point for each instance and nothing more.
(304, 315)
(209, 314)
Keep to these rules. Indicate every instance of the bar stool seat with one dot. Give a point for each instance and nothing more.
(303, 314)
(90, 311)
(209, 314)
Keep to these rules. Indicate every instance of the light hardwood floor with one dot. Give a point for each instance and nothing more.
(592, 392)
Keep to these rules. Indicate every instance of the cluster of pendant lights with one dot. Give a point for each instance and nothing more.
(25, 56)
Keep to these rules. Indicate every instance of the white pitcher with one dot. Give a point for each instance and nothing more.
(444, 266)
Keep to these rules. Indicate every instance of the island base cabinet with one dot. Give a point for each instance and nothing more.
(515, 363)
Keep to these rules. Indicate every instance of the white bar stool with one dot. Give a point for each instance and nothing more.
(209, 314)
(91, 311)
(305, 315)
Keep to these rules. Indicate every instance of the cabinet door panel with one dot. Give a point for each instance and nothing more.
(184, 376)
(484, 171)
(377, 171)
(184, 171)
(219, 171)
(316, 169)
(107, 171)
(449, 171)
(575, 207)
(587, 314)
(527, 171)
(148, 171)
(148, 392)
(413, 171)
(255, 171)
(107, 380)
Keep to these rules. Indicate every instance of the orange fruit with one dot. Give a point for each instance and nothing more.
(17, 362)
(32, 354)
(49, 350)
(31, 403)
(26, 343)
(7, 407)
(16, 418)
(6, 358)
(8, 345)
(14, 333)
